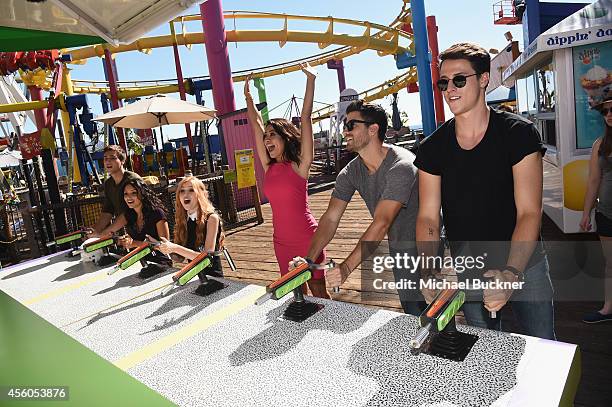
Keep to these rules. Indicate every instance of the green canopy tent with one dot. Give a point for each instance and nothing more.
(53, 24)
(19, 39)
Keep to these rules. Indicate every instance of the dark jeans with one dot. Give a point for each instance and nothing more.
(412, 301)
(532, 305)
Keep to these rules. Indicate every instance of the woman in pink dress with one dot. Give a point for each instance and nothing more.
(286, 154)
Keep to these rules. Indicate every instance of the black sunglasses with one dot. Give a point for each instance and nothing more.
(350, 125)
(604, 111)
(459, 81)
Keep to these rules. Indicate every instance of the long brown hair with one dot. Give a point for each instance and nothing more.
(148, 197)
(291, 136)
(205, 209)
(605, 148)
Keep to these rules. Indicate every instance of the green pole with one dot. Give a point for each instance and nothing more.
(261, 92)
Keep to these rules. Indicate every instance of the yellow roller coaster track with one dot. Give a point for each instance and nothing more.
(377, 92)
(385, 40)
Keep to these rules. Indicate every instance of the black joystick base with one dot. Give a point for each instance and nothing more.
(106, 260)
(209, 286)
(451, 344)
(299, 310)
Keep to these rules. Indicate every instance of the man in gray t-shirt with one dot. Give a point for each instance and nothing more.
(395, 180)
(386, 179)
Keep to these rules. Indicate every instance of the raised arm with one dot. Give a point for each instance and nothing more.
(307, 138)
(257, 125)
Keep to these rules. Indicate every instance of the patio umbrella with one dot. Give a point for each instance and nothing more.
(156, 111)
(10, 158)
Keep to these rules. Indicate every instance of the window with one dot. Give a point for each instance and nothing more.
(549, 135)
(525, 94)
(546, 88)
(240, 122)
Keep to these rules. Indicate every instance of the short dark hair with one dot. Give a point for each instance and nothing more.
(371, 112)
(116, 149)
(479, 58)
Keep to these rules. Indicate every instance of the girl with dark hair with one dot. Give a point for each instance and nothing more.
(197, 226)
(600, 186)
(145, 217)
(286, 154)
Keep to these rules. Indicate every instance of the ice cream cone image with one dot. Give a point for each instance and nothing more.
(597, 83)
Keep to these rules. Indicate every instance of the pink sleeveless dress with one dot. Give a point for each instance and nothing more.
(292, 220)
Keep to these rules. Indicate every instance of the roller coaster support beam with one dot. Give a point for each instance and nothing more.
(217, 56)
(423, 66)
(110, 73)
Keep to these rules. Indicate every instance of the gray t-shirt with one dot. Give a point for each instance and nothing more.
(395, 179)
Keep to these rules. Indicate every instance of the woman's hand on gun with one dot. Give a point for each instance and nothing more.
(91, 233)
(296, 261)
(166, 246)
(154, 242)
(125, 241)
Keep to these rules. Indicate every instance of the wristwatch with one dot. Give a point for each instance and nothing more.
(520, 276)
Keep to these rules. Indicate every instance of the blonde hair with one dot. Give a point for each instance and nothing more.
(205, 209)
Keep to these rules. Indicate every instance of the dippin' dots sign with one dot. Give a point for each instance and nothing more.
(562, 40)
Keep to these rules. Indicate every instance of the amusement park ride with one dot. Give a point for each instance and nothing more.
(61, 110)
(49, 71)
(256, 343)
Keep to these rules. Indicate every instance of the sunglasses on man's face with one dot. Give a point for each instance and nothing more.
(350, 124)
(458, 80)
(604, 111)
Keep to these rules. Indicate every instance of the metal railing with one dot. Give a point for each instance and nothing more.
(25, 231)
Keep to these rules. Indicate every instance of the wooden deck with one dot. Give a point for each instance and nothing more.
(253, 253)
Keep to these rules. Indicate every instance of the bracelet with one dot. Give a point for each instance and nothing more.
(514, 271)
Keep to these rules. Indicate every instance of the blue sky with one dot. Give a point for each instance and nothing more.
(458, 21)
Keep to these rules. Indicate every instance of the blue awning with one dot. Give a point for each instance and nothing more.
(501, 94)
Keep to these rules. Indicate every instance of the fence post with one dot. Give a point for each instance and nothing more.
(11, 250)
(26, 215)
(230, 196)
(5, 220)
(257, 204)
(225, 200)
